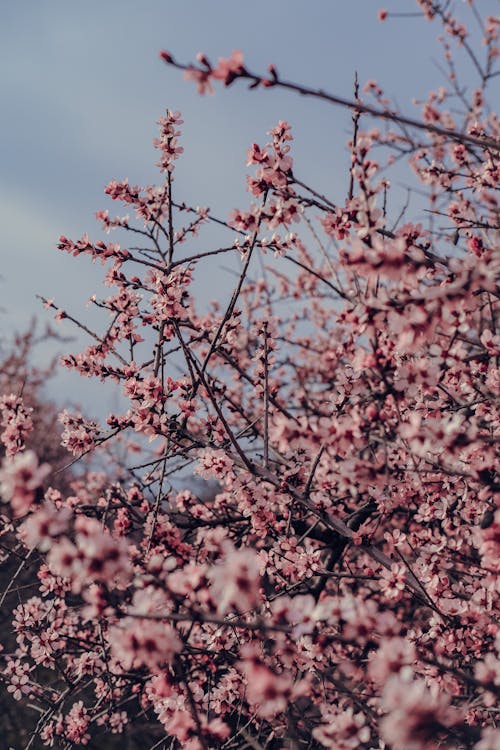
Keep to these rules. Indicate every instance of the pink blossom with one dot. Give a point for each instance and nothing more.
(416, 716)
(269, 693)
(393, 581)
(235, 581)
(20, 478)
(391, 656)
(201, 78)
(339, 408)
(43, 526)
(229, 69)
(136, 642)
(79, 434)
(344, 730)
(167, 143)
(17, 423)
(490, 737)
(19, 679)
(77, 722)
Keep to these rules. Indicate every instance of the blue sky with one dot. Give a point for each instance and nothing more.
(82, 87)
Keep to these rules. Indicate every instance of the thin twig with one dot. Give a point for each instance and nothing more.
(355, 118)
(266, 398)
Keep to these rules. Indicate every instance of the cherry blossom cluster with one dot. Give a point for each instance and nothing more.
(294, 539)
(16, 422)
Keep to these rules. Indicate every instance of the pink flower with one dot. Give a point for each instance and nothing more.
(393, 581)
(16, 419)
(64, 561)
(229, 69)
(268, 692)
(236, 581)
(392, 655)
(416, 716)
(181, 725)
(490, 739)
(42, 527)
(213, 464)
(488, 670)
(201, 78)
(490, 342)
(167, 142)
(18, 681)
(488, 541)
(20, 477)
(94, 556)
(140, 642)
(77, 722)
(102, 556)
(79, 434)
(343, 731)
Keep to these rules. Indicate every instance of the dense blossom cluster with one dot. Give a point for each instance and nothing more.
(337, 585)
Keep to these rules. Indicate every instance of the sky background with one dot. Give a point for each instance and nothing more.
(82, 88)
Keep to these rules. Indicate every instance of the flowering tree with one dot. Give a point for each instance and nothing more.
(25, 414)
(339, 586)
